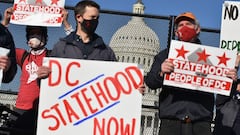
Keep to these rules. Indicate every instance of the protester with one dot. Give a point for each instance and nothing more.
(182, 111)
(7, 63)
(30, 62)
(227, 120)
(84, 43)
(32, 72)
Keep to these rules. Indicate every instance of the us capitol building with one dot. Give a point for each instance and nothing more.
(134, 42)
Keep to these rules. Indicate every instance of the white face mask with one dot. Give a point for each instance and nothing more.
(35, 43)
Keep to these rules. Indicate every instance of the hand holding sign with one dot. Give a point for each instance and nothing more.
(167, 67)
(7, 15)
(230, 24)
(38, 12)
(5, 63)
(201, 68)
(232, 73)
(94, 101)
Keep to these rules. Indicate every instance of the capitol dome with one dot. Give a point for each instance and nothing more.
(135, 42)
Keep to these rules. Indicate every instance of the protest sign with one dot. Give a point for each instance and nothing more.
(229, 37)
(200, 67)
(3, 52)
(38, 12)
(90, 97)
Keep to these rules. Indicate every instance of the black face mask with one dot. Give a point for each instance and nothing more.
(89, 26)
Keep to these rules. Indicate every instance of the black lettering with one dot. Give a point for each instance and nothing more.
(232, 13)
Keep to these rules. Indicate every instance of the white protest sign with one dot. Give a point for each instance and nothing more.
(229, 37)
(199, 67)
(90, 97)
(3, 52)
(38, 12)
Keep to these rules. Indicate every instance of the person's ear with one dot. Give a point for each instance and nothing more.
(176, 33)
(198, 30)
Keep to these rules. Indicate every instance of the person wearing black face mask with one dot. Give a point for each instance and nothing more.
(182, 111)
(89, 26)
(84, 43)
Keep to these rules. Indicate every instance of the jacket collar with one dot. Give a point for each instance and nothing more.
(96, 40)
(197, 41)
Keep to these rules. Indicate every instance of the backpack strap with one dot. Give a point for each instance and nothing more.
(26, 53)
(48, 52)
(24, 56)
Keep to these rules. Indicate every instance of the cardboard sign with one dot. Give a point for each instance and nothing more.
(199, 67)
(90, 98)
(3, 52)
(229, 38)
(38, 12)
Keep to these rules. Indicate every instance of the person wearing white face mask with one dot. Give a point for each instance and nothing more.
(30, 63)
(35, 42)
(36, 38)
(32, 72)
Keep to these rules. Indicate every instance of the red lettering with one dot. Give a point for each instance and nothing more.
(17, 16)
(113, 126)
(117, 76)
(70, 112)
(126, 129)
(36, 8)
(50, 116)
(199, 81)
(76, 96)
(67, 74)
(50, 80)
(130, 71)
(109, 91)
(100, 93)
(110, 126)
(88, 100)
(98, 127)
(55, 107)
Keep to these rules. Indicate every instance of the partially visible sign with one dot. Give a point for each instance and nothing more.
(199, 67)
(3, 52)
(229, 37)
(90, 98)
(38, 12)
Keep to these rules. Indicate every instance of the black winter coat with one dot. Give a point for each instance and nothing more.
(73, 47)
(177, 103)
(6, 41)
